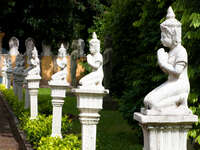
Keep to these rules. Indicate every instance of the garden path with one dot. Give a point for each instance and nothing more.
(7, 140)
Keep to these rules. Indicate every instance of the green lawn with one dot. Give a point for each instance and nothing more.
(113, 133)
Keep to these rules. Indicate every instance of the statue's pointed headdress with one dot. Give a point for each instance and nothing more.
(172, 26)
(34, 51)
(95, 42)
(170, 21)
(62, 50)
(94, 38)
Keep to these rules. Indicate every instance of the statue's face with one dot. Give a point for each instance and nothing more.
(92, 49)
(166, 39)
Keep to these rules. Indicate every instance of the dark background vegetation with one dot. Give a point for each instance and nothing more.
(133, 25)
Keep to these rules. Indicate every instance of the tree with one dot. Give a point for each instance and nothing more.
(49, 20)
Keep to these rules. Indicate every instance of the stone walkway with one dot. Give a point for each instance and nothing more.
(7, 140)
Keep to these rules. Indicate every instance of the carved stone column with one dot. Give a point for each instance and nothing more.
(89, 102)
(58, 90)
(33, 86)
(9, 76)
(27, 96)
(165, 132)
(20, 80)
(14, 83)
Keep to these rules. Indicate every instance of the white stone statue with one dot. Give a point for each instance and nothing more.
(61, 76)
(94, 79)
(66, 46)
(34, 64)
(14, 46)
(170, 98)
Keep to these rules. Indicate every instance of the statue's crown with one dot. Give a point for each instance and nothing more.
(62, 50)
(170, 21)
(94, 39)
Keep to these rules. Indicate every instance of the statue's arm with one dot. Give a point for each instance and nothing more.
(175, 70)
(95, 64)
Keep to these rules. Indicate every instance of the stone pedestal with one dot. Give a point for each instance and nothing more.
(89, 102)
(33, 86)
(9, 76)
(27, 96)
(19, 86)
(14, 83)
(165, 132)
(58, 90)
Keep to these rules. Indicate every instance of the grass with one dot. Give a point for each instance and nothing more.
(113, 133)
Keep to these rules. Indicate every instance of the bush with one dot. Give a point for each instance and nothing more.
(16, 105)
(39, 128)
(69, 142)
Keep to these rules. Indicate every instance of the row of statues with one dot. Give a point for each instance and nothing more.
(170, 98)
(30, 44)
(95, 60)
(78, 52)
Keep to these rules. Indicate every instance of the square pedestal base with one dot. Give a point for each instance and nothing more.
(165, 132)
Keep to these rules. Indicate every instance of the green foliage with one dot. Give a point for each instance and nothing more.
(69, 142)
(44, 101)
(135, 30)
(189, 14)
(41, 127)
(87, 68)
(49, 20)
(17, 106)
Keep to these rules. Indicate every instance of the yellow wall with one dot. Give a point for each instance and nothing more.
(47, 67)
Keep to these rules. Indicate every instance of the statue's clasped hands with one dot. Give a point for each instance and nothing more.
(162, 57)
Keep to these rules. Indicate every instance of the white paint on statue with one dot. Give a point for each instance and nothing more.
(33, 78)
(165, 132)
(171, 96)
(3, 71)
(34, 64)
(94, 79)
(61, 76)
(90, 96)
(166, 118)
(14, 46)
(58, 86)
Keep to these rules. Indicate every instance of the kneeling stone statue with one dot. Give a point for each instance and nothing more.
(94, 79)
(60, 77)
(170, 98)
